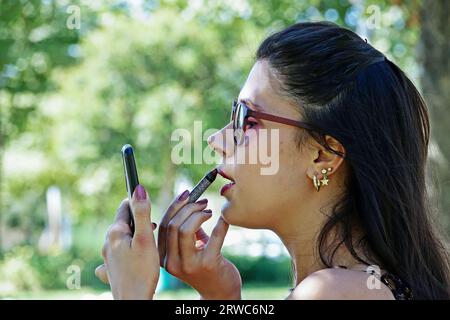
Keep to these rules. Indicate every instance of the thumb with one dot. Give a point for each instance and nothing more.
(218, 236)
(100, 272)
(140, 206)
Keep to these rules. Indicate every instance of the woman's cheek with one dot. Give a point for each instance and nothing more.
(252, 146)
(251, 135)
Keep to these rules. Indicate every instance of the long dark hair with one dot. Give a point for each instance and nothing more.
(353, 93)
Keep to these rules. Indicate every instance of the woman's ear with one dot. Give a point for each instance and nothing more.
(322, 158)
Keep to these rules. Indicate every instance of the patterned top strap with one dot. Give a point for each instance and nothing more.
(398, 287)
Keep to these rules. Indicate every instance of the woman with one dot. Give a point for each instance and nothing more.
(348, 201)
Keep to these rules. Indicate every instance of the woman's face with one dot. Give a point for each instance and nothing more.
(264, 191)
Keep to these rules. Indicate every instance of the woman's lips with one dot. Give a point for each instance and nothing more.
(226, 187)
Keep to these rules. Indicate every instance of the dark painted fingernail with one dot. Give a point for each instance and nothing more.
(140, 193)
(207, 211)
(203, 201)
(154, 225)
(184, 195)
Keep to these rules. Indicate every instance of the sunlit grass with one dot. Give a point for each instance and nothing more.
(248, 292)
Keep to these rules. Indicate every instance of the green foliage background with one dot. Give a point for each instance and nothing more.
(70, 99)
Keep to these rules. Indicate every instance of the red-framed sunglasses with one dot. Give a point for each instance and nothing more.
(240, 113)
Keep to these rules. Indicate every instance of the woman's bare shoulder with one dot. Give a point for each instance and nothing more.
(341, 284)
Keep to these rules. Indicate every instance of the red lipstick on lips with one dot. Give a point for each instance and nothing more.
(228, 185)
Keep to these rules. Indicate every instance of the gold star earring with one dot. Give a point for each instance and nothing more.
(325, 179)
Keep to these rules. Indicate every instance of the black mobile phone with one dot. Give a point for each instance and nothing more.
(131, 175)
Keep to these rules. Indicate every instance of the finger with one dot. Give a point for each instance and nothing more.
(202, 238)
(118, 231)
(176, 205)
(201, 235)
(187, 237)
(100, 272)
(141, 209)
(172, 249)
(123, 213)
(217, 236)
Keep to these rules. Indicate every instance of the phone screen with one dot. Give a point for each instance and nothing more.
(130, 171)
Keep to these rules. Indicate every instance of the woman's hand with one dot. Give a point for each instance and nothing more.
(189, 254)
(131, 261)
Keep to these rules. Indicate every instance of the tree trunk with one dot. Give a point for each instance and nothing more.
(434, 55)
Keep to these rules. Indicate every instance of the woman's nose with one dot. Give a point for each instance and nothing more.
(222, 141)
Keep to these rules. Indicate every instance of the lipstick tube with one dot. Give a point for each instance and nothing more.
(201, 187)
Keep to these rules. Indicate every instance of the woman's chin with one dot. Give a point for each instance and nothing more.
(236, 218)
(226, 211)
(230, 214)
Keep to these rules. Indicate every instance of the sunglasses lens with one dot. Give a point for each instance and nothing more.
(233, 111)
(238, 124)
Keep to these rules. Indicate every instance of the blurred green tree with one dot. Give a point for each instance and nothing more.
(139, 81)
(434, 56)
(33, 41)
(70, 98)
